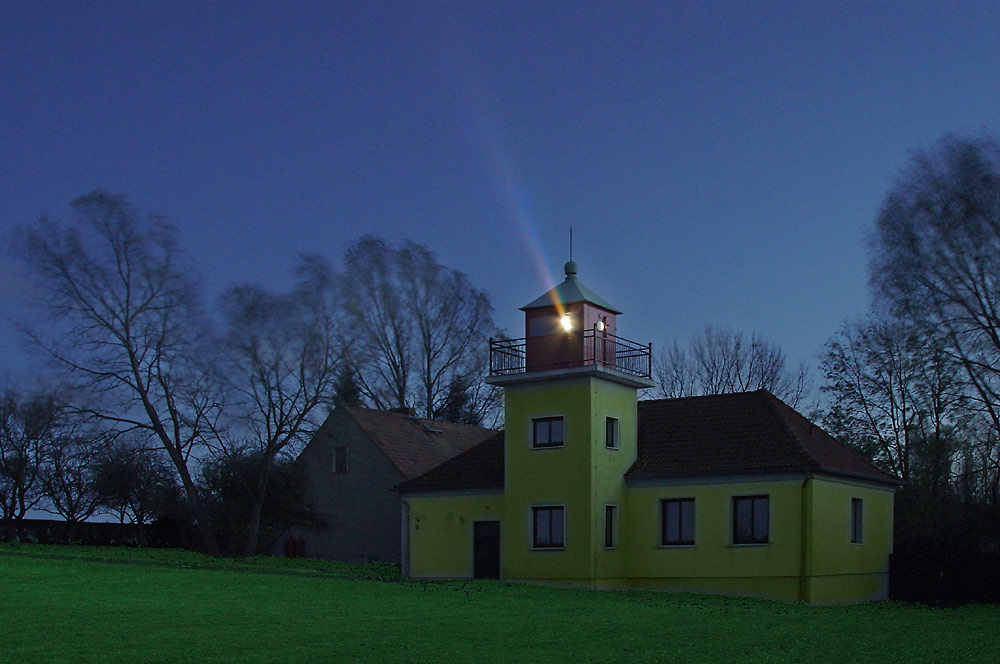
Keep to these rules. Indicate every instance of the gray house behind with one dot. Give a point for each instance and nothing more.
(352, 465)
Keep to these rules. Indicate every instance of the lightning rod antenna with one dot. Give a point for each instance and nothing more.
(571, 243)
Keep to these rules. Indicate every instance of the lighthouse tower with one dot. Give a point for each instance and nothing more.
(570, 392)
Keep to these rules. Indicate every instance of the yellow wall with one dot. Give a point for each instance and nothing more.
(583, 475)
(714, 564)
(608, 468)
(839, 570)
(440, 532)
(829, 570)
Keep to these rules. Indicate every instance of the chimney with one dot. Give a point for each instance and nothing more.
(411, 412)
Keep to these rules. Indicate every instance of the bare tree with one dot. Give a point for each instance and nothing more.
(936, 256)
(719, 361)
(27, 427)
(131, 480)
(68, 476)
(871, 372)
(936, 266)
(421, 328)
(285, 353)
(123, 319)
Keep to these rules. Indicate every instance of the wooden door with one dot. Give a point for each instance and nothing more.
(486, 550)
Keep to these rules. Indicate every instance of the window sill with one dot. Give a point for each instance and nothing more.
(547, 447)
(676, 546)
(547, 548)
(749, 545)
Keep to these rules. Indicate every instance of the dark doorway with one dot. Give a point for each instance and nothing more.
(486, 550)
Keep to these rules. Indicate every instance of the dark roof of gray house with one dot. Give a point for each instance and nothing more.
(746, 433)
(479, 467)
(415, 445)
(568, 292)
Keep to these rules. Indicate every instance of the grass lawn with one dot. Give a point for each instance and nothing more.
(77, 604)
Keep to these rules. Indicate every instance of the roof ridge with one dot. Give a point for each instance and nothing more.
(388, 412)
(716, 395)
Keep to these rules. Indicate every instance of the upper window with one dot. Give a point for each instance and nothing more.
(540, 326)
(677, 521)
(611, 433)
(857, 520)
(610, 526)
(750, 519)
(340, 459)
(547, 432)
(548, 527)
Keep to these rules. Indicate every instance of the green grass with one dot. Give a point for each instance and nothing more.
(77, 604)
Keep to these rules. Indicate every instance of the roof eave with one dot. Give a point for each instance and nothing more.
(794, 470)
(479, 488)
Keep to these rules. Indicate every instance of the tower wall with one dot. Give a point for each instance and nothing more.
(582, 475)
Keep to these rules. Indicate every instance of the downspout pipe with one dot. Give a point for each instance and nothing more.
(804, 541)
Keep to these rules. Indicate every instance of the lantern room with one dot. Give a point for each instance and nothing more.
(569, 326)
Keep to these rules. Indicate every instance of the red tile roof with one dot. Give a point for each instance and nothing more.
(738, 434)
(746, 433)
(416, 445)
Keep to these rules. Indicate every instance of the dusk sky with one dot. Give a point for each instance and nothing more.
(719, 163)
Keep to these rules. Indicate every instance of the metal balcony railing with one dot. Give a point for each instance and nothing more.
(566, 350)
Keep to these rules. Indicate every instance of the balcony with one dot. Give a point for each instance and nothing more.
(509, 357)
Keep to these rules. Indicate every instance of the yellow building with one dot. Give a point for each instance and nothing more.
(733, 493)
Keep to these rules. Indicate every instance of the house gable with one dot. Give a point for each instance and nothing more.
(356, 498)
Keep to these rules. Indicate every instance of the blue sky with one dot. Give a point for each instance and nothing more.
(719, 162)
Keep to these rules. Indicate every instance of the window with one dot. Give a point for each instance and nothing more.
(547, 432)
(548, 527)
(541, 326)
(857, 522)
(611, 433)
(750, 519)
(340, 459)
(610, 526)
(677, 521)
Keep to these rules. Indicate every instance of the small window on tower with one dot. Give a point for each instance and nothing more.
(857, 520)
(611, 433)
(340, 459)
(548, 527)
(541, 326)
(547, 432)
(610, 526)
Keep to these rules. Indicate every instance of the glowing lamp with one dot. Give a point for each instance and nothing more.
(567, 323)
(600, 325)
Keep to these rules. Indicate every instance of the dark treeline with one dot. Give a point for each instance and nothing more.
(915, 384)
(160, 407)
